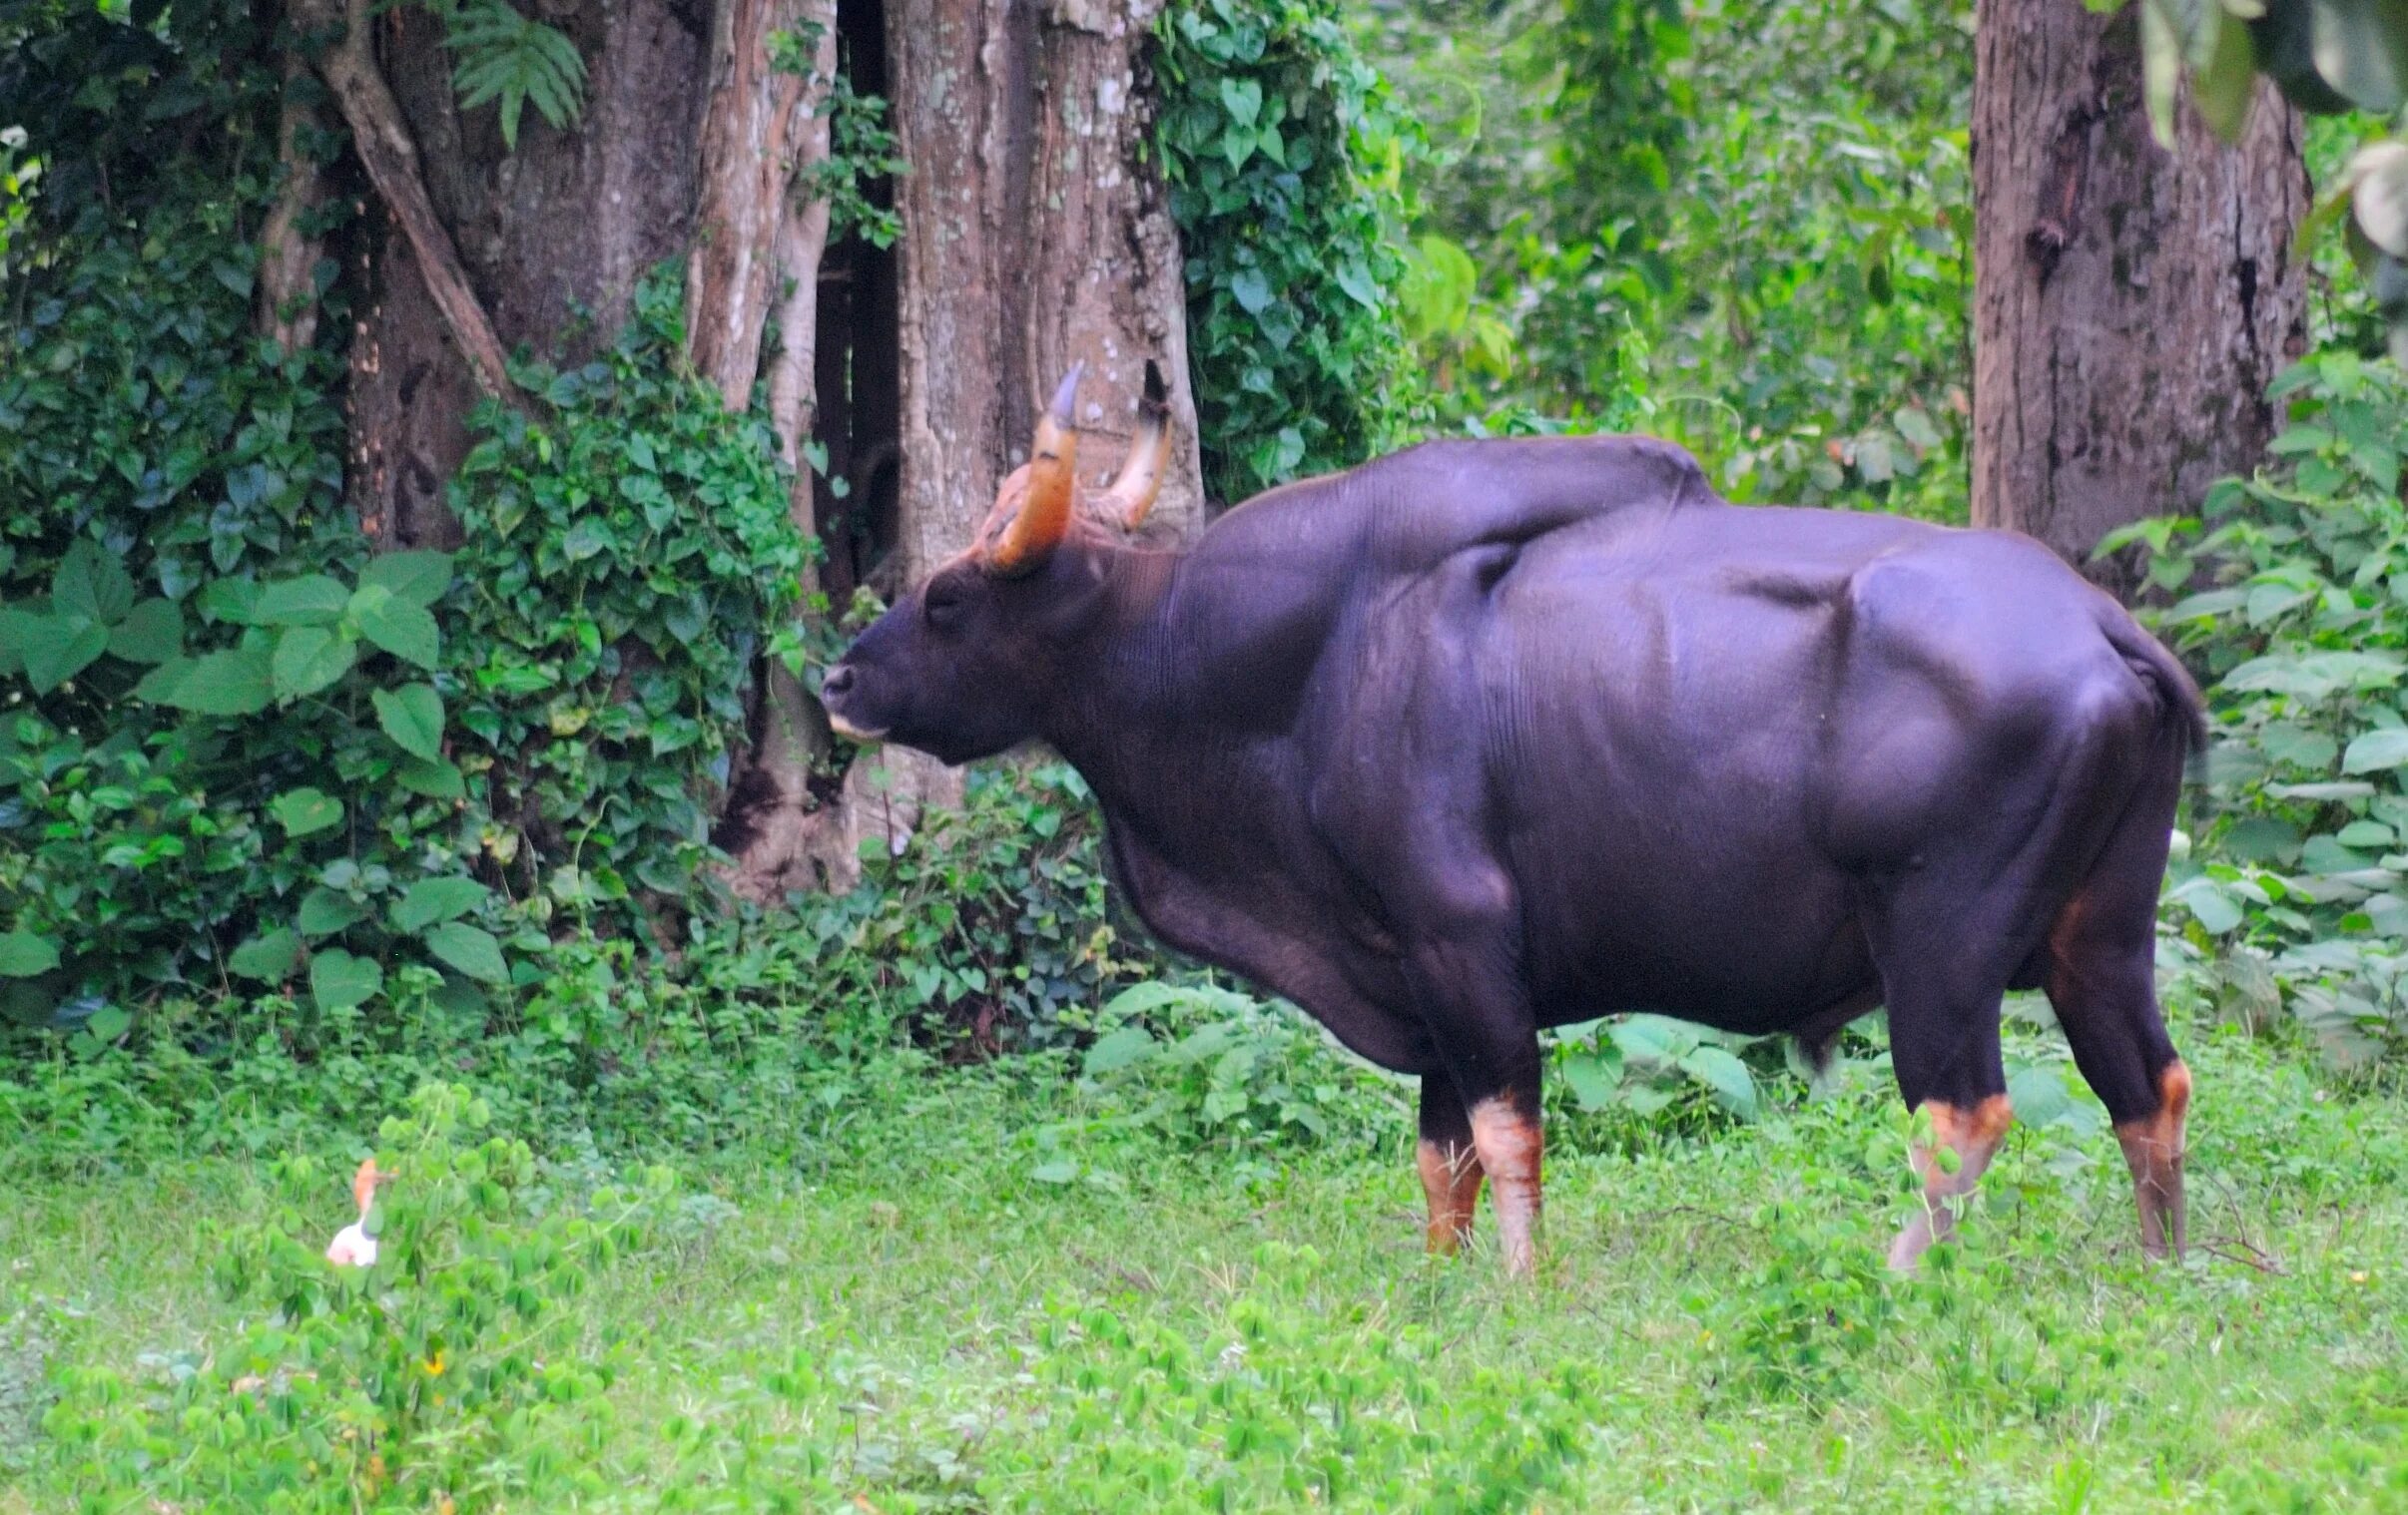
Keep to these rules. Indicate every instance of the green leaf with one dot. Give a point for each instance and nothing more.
(268, 957)
(91, 583)
(2223, 83)
(435, 780)
(341, 981)
(1243, 98)
(240, 682)
(313, 600)
(1357, 282)
(407, 630)
(158, 686)
(2378, 178)
(59, 645)
(230, 601)
(2361, 48)
(1138, 999)
(417, 577)
(1060, 1171)
(2161, 69)
(308, 658)
(2215, 910)
(304, 810)
(2038, 1096)
(1594, 1077)
(1733, 1086)
(110, 1022)
(151, 632)
(1250, 290)
(414, 716)
(324, 911)
(1651, 1038)
(436, 900)
(24, 955)
(474, 951)
(1119, 1049)
(2374, 751)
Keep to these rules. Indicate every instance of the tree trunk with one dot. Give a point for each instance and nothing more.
(760, 128)
(1036, 233)
(2131, 304)
(552, 237)
(286, 308)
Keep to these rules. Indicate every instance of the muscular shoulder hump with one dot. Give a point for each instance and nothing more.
(1442, 497)
(1411, 508)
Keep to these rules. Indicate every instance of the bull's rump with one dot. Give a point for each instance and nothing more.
(1708, 726)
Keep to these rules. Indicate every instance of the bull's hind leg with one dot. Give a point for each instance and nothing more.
(1450, 1163)
(2101, 955)
(1945, 1050)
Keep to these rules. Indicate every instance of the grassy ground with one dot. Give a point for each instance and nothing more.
(1201, 1329)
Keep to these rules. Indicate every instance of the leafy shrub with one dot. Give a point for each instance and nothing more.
(1815, 1304)
(1645, 1064)
(996, 922)
(627, 557)
(1284, 154)
(198, 650)
(991, 933)
(2292, 896)
(1214, 1067)
(243, 749)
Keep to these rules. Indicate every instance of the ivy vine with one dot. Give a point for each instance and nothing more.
(1285, 157)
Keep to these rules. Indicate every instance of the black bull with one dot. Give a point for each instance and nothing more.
(1489, 736)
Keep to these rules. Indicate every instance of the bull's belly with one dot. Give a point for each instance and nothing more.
(1747, 960)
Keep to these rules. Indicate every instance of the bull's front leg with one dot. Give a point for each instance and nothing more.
(1469, 984)
(1451, 1170)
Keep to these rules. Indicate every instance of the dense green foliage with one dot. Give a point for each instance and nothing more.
(628, 553)
(2300, 616)
(242, 748)
(1773, 265)
(1284, 153)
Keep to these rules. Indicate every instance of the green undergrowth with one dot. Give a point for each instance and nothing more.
(915, 1310)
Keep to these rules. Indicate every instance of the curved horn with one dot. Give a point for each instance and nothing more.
(1043, 518)
(1141, 480)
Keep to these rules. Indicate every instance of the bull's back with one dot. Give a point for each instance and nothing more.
(1703, 721)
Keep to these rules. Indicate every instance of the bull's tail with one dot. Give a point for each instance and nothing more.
(2184, 710)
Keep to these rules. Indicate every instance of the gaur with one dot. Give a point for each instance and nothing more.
(1488, 737)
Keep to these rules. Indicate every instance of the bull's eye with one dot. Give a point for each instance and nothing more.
(943, 604)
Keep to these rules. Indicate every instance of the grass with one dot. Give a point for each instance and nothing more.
(1183, 1328)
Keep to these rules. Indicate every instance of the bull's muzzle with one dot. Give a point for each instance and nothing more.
(833, 691)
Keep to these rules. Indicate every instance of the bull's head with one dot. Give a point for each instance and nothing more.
(967, 665)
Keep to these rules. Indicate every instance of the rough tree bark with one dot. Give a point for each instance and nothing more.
(754, 139)
(758, 238)
(1036, 233)
(287, 308)
(382, 139)
(552, 237)
(2131, 304)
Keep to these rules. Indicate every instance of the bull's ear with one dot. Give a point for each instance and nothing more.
(1043, 519)
(1132, 493)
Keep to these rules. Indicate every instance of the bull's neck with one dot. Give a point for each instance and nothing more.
(1155, 700)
